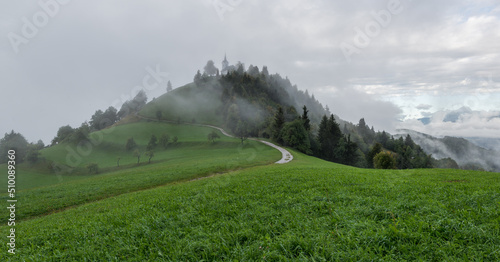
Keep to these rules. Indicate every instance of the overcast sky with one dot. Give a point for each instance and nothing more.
(388, 61)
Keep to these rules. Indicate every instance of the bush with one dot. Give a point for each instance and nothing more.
(93, 168)
(164, 139)
(384, 160)
(130, 144)
(213, 136)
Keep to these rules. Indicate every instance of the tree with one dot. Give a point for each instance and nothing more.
(158, 115)
(329, 136)
(62, 134)
(101, 120)
(197, 78)
(152, 143)
(240, 68)
(213, 136)
(150, 154)
(95, 120)
(253, 70)
(242, 131)
(130, 145)
(305, 119)
(210, 68)
(164, 140)
(93, 168)
(377, 148)
(110, 117)
(384, 160)
(409, 142)
(347, 151)
(405, 157)
(134, 105)
(169, 86)
(295, 135)
(323, 138)
(265, 72)
(80, 134)
(334, 130)
(175, 139)
(278, 123)
(137, 154)
(13, 141)
(362, 126)
(39, 144)
(33, 155)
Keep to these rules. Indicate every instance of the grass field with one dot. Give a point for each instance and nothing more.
(195, 157)
(305, 210)
(111, 146)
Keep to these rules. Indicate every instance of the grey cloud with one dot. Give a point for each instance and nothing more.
(352, 105)
(462, 122)
(423, 107)
(92, 52)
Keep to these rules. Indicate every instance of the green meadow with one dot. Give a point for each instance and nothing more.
(247, 208)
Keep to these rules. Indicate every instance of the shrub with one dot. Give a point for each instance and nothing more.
(130, 144)
(384, 160)
(93, 168)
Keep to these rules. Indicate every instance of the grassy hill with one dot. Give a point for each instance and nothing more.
(111, 146)
(306, 210)
(188, 103)
(192, 157)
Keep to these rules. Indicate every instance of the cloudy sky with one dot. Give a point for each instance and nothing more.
(388, 61)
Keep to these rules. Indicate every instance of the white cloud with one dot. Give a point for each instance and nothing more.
(461, 123)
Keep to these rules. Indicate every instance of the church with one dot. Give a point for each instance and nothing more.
(226, 68)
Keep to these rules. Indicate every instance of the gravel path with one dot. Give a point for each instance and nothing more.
(286, 156)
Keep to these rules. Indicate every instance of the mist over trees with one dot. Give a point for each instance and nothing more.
(258, 104)
(254, 103)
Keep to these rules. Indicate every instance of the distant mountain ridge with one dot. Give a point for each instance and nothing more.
(486, 142)
(467, 154)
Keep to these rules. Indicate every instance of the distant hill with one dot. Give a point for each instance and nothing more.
(467, 154)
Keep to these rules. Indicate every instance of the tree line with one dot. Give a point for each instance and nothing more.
(258, 104)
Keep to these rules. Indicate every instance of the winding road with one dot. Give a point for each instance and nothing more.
(286, 156)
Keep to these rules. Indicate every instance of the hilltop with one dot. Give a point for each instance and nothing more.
(254, 103)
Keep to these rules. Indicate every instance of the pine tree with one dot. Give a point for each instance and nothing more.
(197, 78)
(279, 122)
(169, 86)
(305, 119)
(152, 143)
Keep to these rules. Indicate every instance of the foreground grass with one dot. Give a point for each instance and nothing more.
(306, 210)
